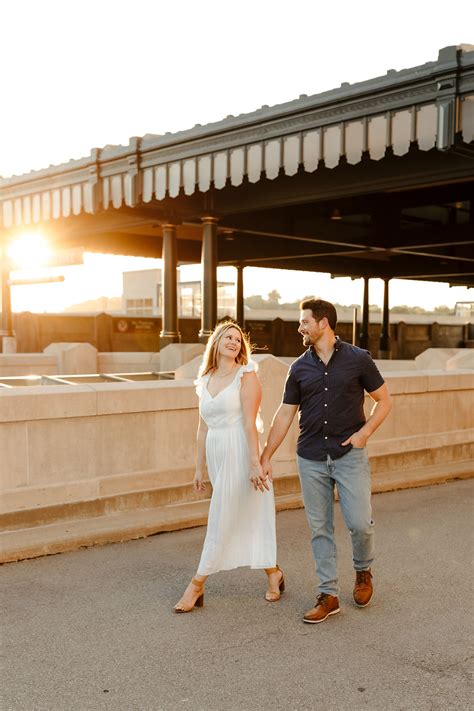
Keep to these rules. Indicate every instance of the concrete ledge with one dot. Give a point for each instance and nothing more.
(143, 396)
(27, 364)
(71, 535)
(425, 476)
(420, 381)
(132, 362)
(95, 507)
(59, 537)
(91, 399)
(47, 403)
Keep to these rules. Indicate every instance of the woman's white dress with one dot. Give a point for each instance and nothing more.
(241, 525)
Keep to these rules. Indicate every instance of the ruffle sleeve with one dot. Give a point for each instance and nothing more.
(200, 384)
(251, 367)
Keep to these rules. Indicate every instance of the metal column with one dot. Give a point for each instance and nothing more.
(209, 278)
(364, 329)
(385, 350)
(169, 333)
(239, 297)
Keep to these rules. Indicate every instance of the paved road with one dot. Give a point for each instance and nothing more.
(94, 629)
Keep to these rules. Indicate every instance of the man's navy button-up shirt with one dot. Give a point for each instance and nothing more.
(330, 398)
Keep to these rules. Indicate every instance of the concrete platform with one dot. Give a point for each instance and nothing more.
(94, 629)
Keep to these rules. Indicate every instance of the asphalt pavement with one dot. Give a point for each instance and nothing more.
(95, 629)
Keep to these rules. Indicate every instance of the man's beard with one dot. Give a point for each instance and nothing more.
(312, 341)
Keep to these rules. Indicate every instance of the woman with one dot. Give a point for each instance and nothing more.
(241, 525)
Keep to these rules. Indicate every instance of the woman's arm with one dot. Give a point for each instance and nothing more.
(280, 425)
(198, 482)
(251, 397)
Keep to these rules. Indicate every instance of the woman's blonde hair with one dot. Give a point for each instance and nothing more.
(210, 359)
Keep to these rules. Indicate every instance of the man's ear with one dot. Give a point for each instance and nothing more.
(324, 323)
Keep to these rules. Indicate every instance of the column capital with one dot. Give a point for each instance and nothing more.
(209, 220)
(168, 217)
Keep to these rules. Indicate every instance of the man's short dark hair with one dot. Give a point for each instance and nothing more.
(320, 310)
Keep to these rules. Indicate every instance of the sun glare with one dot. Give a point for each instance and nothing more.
(29, 250)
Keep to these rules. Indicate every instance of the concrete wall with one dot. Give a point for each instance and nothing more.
(60, 444)
(82, 358)
(28, 364)
(128, 362)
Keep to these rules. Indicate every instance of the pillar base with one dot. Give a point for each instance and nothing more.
(167, 337)
(7, 344)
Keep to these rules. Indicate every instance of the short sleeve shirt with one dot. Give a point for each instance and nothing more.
(330, 398)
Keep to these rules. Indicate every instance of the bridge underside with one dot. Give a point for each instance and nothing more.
(399, 217)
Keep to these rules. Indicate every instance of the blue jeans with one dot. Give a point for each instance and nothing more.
(351, 475)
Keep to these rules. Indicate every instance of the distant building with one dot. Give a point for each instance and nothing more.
(464, 309)
(142, 295)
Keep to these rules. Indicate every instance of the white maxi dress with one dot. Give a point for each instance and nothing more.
(241, 524)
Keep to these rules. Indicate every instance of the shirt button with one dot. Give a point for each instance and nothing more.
(325, 373)
(325, 422)
(325, 438)
(325, 388)
(325, 405)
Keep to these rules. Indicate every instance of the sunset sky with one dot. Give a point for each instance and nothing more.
(83, 73)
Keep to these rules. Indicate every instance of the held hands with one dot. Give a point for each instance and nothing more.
(266, 468)
(358, 440)
(198, 483)
(258, 478)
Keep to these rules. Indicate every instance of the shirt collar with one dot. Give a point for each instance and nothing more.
(311, 353)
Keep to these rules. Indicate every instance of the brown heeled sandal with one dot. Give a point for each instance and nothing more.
(273, 596)
(199, 584)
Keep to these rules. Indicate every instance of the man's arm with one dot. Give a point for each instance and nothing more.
(383, 405)
(280, 426)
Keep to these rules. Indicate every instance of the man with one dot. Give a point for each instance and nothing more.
(326, 384)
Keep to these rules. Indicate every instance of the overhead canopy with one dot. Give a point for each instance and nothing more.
(372, 179)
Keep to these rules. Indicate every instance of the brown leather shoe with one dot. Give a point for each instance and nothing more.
(325, 605)
(363, 589)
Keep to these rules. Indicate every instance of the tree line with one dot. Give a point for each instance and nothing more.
(273, 301)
